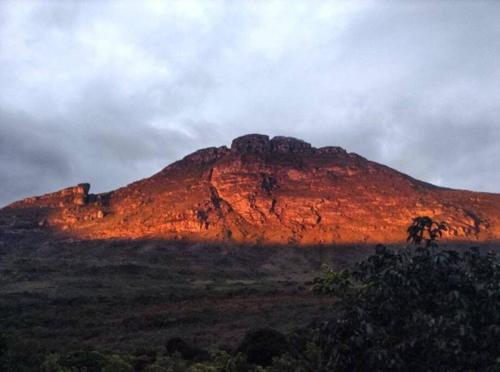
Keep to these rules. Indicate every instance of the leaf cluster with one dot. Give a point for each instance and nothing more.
(423, 230)
(420, 308)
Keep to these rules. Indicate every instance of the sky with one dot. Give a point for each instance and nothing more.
(111, 92)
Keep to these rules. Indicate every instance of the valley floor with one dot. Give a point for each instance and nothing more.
(126, 295)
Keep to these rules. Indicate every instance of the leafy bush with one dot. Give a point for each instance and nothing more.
(420, 308)
(51, 364)
(424, 230)
(332, 282)
(90, 361)
(170, 363)
(18, 355)
(186, 351)
(262, 345)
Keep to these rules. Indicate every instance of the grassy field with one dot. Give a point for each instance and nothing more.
(127, 295)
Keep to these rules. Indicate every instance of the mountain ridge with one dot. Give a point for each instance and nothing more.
(261, 190)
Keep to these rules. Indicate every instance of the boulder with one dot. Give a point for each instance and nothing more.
(251, 143)
(286, 145)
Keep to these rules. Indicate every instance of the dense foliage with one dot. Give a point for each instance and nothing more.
(420, 308)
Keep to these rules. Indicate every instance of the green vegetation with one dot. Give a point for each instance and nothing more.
(424, 230)
(417, 308)
(421, 308)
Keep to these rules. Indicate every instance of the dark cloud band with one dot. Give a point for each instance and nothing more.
(93, 91)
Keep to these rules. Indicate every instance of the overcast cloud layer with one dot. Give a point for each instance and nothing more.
(109, 93)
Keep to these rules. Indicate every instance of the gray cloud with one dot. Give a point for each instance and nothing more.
(111, 92)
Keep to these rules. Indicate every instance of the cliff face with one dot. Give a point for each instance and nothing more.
(261, 190)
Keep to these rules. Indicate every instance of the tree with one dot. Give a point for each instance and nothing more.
(262, 345)
(417, 309)
(424, 230)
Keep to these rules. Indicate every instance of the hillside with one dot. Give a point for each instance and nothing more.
(261, 190)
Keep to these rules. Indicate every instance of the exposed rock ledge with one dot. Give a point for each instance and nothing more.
(258, 143)
(76, 195)
(284, 191)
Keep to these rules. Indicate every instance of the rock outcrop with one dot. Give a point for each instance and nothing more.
(262, 190)
(77, 195)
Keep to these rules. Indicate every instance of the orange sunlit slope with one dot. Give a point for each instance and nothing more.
(262, 190)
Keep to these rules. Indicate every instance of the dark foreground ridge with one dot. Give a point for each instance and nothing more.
(261, 190)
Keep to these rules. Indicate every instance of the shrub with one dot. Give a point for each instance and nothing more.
(262, 345)
(51, 364)
(171, 363)
(89, 361)
(178, 345)
(18, 355)
(423, 230)
(332, 282)
(420, 308)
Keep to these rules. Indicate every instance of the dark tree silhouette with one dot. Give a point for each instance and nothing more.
(415, 309)
(424, 230)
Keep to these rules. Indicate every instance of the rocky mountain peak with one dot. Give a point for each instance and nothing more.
(259, 144)
(251, 143)
(290, 193)
(207, 155)
(285, 145)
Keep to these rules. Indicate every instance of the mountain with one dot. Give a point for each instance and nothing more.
(261, 190)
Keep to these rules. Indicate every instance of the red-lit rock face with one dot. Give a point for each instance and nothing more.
(263, 190)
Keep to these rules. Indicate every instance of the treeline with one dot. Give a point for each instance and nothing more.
(260, 350)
